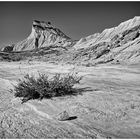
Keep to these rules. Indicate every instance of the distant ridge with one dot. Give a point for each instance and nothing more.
(107, 34)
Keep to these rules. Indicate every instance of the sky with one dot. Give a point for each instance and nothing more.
(75, 19)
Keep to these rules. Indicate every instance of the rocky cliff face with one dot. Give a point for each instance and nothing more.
(118, 44)
(108, 34)
(43, 35)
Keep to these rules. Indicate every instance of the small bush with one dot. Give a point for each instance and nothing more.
(45, 87)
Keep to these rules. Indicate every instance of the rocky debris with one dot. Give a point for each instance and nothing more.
(63, 116)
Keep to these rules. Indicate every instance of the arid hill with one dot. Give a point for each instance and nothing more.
(120, 44)
(43, 34)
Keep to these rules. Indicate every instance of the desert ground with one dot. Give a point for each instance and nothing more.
(108, 106)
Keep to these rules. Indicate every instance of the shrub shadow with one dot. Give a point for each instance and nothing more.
(72, 118)
(75, 92)
(80, 91)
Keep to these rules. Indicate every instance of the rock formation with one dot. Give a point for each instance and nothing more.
(43, 35)
(119, 44)
(108, 34)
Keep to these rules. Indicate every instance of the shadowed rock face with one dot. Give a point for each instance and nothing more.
(43, 35)
(8, 48)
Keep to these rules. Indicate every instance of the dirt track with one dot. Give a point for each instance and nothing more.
(109, 105)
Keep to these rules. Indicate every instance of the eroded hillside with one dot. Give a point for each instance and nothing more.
(120, 44)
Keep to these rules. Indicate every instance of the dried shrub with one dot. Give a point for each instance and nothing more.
(45, 87)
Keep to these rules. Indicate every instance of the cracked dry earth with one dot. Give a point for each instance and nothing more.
(109, 106)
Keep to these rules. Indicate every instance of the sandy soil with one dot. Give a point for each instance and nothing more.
(108, 107)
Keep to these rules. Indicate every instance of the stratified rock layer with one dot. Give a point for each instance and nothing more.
(120, 44)
(107, 34)
(43, 35)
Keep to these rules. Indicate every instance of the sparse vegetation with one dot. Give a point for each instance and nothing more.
(12, 57)
(16, 57)
(45, 87)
